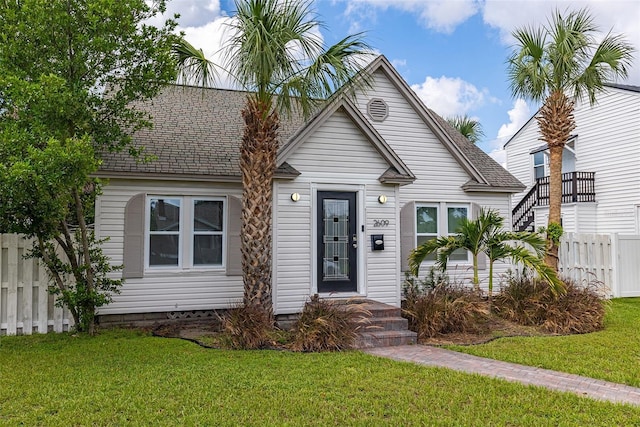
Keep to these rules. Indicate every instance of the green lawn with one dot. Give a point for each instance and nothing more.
(126, 378)
(612, 354)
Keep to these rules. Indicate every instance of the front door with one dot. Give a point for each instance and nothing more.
(337, 242)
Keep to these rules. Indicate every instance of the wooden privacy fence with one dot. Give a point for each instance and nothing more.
(25, 303)
(612, 259)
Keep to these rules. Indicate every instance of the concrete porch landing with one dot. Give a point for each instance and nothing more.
(385, 328)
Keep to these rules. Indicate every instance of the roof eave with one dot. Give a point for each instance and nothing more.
(397, 181)
(484, 188)
(156, 176)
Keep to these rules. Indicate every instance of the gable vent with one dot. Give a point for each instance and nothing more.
(377, 109)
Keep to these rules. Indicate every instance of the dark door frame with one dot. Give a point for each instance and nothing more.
(350, 283)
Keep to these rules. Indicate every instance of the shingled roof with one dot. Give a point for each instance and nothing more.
(197, 134)
(492, 171)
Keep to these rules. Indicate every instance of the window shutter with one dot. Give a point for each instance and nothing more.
(407, 233)
(234, 224)
(482, 258)
(134, 213)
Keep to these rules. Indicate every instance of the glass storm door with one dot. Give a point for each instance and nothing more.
(337, 242)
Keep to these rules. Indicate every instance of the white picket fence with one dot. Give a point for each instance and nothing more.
(612, 259)
(25, 303)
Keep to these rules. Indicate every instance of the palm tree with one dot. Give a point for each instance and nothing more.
(485, 235)
(502, 245)
(277, 56)
(468, 127)
(557, 65)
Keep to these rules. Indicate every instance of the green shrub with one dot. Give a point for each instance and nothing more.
(247, 327)
(441, 307)
(529, 301)
(328, 325)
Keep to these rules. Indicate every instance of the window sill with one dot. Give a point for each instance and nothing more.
(158, 272)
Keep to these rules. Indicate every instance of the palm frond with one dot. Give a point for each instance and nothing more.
(468, 127)
(527, 69)
(277, 52)
(429, 247)
(193, 66)
(522, 255)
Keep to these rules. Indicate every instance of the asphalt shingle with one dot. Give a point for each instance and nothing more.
(197, 132)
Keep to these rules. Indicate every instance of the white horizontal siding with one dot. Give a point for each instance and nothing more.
(519, 161)
(168, 291)
(335, 156)
(439, 177)
(382, 267)
(608, 144)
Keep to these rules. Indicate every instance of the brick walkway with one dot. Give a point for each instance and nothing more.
(583, 386)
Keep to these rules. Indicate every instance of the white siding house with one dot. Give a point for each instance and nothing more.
(602, 157)
(357, 187)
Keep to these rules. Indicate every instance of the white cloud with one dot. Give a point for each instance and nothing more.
(193, 13)
(439, 15)
(449, 96)
(397, 63)
(518, 116)
(620, 16)
(500, 156)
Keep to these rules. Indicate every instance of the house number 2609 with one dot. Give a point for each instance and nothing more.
(380, 222)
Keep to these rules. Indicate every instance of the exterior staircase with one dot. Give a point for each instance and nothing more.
(386, 327)
(576, 187)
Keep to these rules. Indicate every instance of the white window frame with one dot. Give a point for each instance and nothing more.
(149, 233)
(186, 234)
(193, 232)
(467, 206)
(544, 165)
(438, 224)
(442, 223)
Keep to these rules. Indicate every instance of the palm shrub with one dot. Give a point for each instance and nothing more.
(246, 327)
(442, 307)
(528, 300)
(485, 234)
(328, 325)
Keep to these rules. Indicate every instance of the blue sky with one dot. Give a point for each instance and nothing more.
(451, 52)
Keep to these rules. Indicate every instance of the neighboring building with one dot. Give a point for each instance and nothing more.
(358, 186)
(601, 168)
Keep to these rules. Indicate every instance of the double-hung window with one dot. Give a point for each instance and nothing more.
(185, 232)
(435, 220)
(455, 214)
(427, 225)
(540, 161)
(208, 219)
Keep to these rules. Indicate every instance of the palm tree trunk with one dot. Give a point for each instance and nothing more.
(490, 299)
(556, 123)
(476, 279)
(555, 201)
(257, 163)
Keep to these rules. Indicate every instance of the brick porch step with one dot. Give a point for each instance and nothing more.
(386, 327)
(385, 339)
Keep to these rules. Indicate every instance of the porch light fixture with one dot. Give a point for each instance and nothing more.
(295, 197)
(382, 199)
